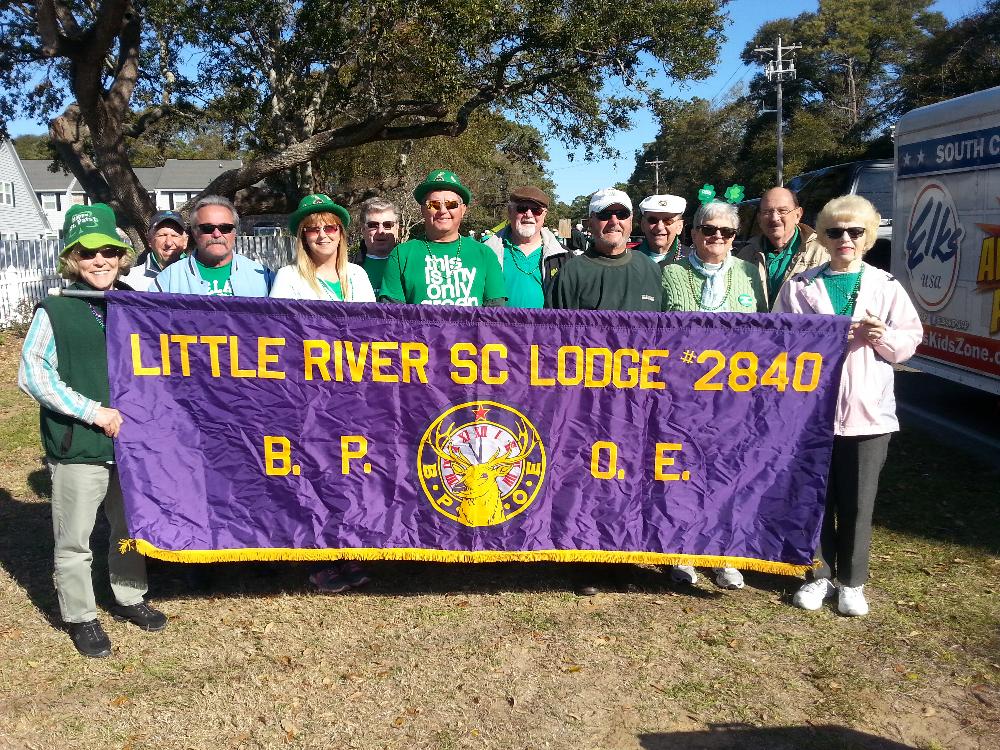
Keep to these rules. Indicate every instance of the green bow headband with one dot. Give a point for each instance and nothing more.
(733, 194)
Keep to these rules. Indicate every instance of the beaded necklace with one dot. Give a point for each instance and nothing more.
(97, 316)
(458, 252)
(327, 286)
(852, 297)
(697, 294)
(533, 271)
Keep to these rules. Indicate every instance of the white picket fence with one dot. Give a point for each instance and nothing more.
(28, 270)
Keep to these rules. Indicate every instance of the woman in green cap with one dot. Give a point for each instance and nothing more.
(321, 270)
(64, 367)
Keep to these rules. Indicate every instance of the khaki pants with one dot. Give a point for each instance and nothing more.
(78, 491)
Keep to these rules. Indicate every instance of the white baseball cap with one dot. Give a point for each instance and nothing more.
(608, 197)
(668, 204)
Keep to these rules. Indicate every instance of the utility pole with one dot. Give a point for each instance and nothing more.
(656, 164)
(779, 70)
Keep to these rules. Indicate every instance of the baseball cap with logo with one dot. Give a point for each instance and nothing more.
(90, 226)
(442, 179)
(609, 197)
(164, 217)
(667, 204)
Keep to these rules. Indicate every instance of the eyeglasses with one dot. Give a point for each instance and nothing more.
(779, 211)
(618, 213)
(525, 208)
(437, 205)
(105, 252)
(210, 228)
(654, 220)
(380, 224)
(710, 230)
(328, 229)
(835, 233)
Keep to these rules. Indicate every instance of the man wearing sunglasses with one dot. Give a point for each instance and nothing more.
(661, 225)
(379, 235)
(214, 269)
(786, 247)
(443, 268)
(167, 241)
(608, 276)
(529, 254)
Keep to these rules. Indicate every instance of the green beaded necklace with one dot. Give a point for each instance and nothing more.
(852, 297)
(697, 294)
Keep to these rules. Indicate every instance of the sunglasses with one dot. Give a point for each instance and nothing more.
(105, 252)
(380, 224)
(835, 233)
(524, 208)
(709, 230)
(210, 228)
(436, 205)
(328, 229)
(654, 220)
(618, 213)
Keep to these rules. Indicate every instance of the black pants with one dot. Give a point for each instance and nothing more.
(846, 538)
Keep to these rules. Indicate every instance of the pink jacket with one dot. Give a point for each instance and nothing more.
(866, 404)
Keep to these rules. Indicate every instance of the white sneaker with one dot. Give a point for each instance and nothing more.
(812, 594)
(683, 574)
(728, 578)
(852, 602)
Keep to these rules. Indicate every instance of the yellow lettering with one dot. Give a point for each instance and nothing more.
(213, 342)
(457, 362)
(277, 455)
(562, 371)
(618, 366)
(647, 369)
(316, 353)
(347, 452)
(234, 360)
(338, 361)
(137, 366)
(596, 453)
(995, 313)
(356, 360)
(988, 261)
(662, 461)
(590, 380)
(184, 341)
(537, 379)
(265, 358)
(488, 377)
(165, 353)
(414, 357)
(379, 360)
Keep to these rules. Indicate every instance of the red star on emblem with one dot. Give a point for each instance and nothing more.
(480, 413)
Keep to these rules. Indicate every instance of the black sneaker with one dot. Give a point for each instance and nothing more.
(90, 639)
(141, 614)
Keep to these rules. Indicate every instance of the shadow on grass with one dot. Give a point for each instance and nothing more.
(743, 737)
(933, 490)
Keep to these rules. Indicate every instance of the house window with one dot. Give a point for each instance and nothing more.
(77, 199)
(8, 236)
(179, 199)
(6, 193)
(50, 201)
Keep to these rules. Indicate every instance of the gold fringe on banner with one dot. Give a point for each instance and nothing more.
(487, 556)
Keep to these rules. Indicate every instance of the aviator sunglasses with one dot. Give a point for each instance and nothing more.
(105, 252)
(437, 205)
(328, 229)
(619, 213)
(709, 230)
(835, 233)
(210, 228)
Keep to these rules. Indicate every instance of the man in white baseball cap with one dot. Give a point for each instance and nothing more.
(661, 225)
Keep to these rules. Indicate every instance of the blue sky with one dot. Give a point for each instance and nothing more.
(581, 177)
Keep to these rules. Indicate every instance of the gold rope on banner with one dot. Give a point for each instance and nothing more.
(482, 556)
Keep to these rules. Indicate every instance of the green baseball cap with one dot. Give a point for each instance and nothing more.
(91, 226)
(317, 203)
(442, 179)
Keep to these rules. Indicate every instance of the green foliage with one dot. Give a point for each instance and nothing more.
(33, 147)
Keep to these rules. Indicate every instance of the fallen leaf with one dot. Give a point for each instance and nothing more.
(570, 667)
(834, 685)
(121, 700)
(269, 627)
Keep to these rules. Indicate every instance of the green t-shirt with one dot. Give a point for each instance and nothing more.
(629, 281)
(842, 288)
(522, 275)
(461, 272)
(331, 289)
(375, 268)
(778, 261)
(217, 279)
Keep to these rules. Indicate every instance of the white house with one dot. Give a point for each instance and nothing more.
(21, 215)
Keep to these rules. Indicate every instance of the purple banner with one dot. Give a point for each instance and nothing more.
(276, 429)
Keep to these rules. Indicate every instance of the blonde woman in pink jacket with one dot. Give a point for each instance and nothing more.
(885, 331)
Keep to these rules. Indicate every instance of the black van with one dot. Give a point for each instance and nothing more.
(873, 179)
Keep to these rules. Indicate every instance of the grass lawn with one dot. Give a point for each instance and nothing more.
(505, 656)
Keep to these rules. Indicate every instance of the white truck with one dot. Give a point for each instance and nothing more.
(946, 234)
